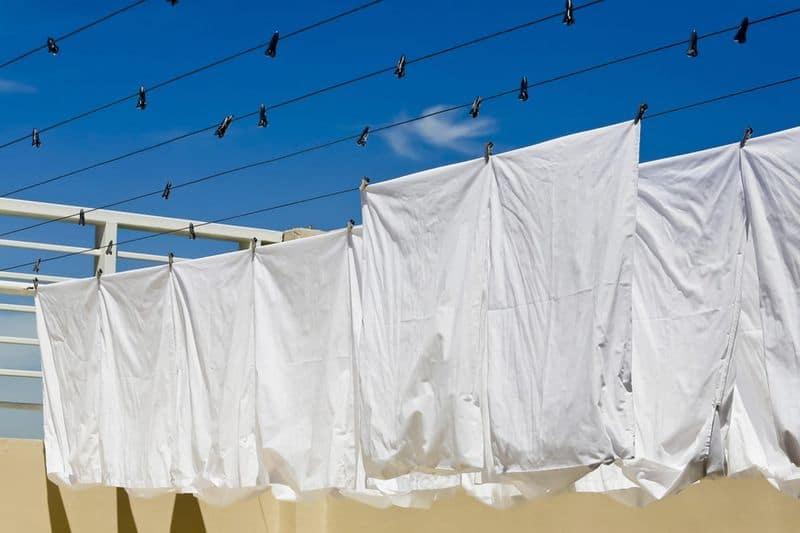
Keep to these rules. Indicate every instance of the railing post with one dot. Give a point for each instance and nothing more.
(104, 233)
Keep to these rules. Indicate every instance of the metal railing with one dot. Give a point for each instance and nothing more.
(106, 225)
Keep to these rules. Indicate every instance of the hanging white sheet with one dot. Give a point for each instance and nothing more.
(563, 218)
(220, 377)
(771, 177)
(532, 253)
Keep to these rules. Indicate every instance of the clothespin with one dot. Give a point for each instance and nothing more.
(253, 246)
(262, 116)
(35, 284)
(741, 33)
(362, 139)
(364, 183)
(569, 18)
(223, 126)
(523, 89)
(692, 51)
(52, 47)
(350, 224)
(99, 273)
(640, 113)
(37, 265)
(476, 107)
(81, 218)
(110, 248)
(400, 68)
(35, 142)
(488, 150)
(272, 48)
(192, 234)
(746, 137)
(170, 260)
(142, 102)
(167, 190)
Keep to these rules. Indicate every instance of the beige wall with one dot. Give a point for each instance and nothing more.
(28, 503)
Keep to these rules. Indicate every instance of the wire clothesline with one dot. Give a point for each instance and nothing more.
(295, 99)
(192, 72)
(554, 79)
(74, 32)
(193, 226)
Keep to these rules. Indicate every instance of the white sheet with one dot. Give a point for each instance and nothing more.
(532, 250)
(222, 377)
(563, 217)
(771, 177)
(687, 272)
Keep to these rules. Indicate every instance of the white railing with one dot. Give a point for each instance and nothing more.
(106, 226)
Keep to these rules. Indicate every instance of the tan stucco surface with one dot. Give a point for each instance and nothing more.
(28, 503)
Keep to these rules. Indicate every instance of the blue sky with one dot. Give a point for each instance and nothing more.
(155, 41)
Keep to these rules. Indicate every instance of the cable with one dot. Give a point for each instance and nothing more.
(296, 99)
(389, 69)
(192, 72)
(75, 32)
(353, 189)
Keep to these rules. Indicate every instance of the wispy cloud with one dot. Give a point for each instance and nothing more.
(16, 87)
(446, 131)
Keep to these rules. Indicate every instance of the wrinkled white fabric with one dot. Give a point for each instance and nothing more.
(714, 390)
(771, 177)
(424, 303)
(530, 253)
(687, 271)
(221, 377)
(563, 218)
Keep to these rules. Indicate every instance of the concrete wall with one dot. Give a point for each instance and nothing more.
(29, 503)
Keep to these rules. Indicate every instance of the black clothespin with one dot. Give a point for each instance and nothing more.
(488, 150)
(37, 265)
(476, 107)
(223, 126)
(350, 224)
(99, 273)
(272, 48)
(362, 139)
(35, 284)
(400, 68)
(364, 183)
(167, 190)
(142, 102)
(110, 248)
(523, 89)
(569, 18)
(692, 51)
(35, 142)
(192, 234)
(640, 113)
(52, 47)
(741, 33)
(81, 218)
(746, 137)
(170, 260)
(262, 116)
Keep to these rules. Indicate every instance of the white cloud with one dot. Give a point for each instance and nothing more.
(447, 131)
(16, 87)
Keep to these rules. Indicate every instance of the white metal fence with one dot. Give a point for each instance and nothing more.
(19, 285)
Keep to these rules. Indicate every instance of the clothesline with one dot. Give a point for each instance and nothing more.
(327, 144)
(558, 317)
